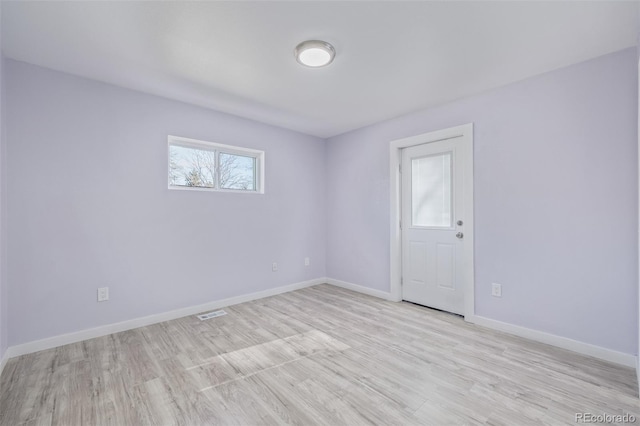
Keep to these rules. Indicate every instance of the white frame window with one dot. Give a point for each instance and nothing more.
(214, 151)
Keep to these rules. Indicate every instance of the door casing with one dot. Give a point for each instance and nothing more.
(395, 155)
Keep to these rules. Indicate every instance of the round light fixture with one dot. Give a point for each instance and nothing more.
(314, 53)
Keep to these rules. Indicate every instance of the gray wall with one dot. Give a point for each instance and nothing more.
(555, 200)
(4, 327)
(88, 206)
(556, 204)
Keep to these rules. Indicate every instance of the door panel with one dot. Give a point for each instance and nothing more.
(417, 268)
(446, 261)
(432, 240)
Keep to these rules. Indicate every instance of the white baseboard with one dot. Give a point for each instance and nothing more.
(638, 371)
(3, 361)
(628, 360)
(539, 336)
(91, 333)
(599, 352)
(361, 289)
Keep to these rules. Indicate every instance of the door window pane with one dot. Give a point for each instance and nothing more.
(431, 191)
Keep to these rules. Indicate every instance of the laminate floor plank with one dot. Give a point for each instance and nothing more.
(321, 355)
(245, 400)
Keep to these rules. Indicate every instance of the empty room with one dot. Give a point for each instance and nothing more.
(319, 212)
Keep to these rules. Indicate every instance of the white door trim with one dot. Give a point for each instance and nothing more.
(638, 353)
(395, 155)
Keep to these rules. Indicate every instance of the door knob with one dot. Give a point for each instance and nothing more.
(459, 235)
(459, 223)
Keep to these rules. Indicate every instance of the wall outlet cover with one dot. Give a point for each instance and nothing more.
(103, 294)
(496, 290)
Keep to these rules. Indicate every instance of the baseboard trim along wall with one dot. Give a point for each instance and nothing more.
(605, 354)
(78, 336)
(638, 371)
(628, 360)
(361, 289)
(3, 360)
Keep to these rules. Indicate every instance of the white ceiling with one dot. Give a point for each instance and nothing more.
(392, 57)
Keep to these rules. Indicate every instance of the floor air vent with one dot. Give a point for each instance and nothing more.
(210, 315)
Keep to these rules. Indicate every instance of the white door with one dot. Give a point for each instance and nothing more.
(433, 217)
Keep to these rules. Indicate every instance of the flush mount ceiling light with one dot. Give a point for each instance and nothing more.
(314, 53)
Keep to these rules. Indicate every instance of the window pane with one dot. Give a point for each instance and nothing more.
(191, 167)
(237, 172)
(431, 190)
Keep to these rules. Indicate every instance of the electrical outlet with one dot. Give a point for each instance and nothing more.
(274, 266)
(306, 261)
(103, 294)
(496, 290)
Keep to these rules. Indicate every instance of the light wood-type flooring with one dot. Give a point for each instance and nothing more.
(321, 355)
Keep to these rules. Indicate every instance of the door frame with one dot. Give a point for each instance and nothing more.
(464, 131)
